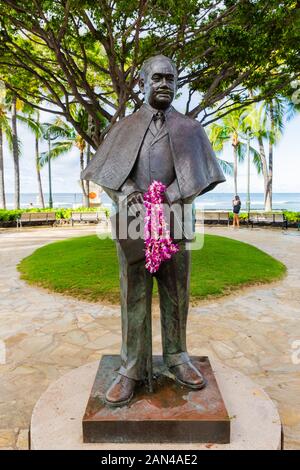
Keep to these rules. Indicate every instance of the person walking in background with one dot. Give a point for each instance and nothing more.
(236, 207)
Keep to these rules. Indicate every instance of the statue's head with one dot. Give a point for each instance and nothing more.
(158, 81)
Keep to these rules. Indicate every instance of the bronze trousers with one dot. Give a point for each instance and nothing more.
(136, 285)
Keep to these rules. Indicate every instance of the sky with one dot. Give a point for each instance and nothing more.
(65, 170)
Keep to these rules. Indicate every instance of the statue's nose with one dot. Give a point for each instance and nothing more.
(164, 83)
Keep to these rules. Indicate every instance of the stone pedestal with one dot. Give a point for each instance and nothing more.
(57, 417)
(172, 413)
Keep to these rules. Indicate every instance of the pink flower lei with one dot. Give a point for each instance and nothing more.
(159, 245)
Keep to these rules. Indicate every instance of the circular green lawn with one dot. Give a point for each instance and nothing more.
(87, 268)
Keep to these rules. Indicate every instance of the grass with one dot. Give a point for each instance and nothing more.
(87, 268)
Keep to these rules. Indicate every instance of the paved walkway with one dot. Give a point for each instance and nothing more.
(46, 335)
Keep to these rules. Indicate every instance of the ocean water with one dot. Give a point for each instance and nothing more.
(209, 201)
(223, 201)
(66, 200)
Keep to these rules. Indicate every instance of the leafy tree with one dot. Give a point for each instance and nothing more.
(89, 53)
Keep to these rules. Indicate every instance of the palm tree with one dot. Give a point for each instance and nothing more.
(233, 129)
(8, 128)
(4, 130)
(2, 187)
(32, 121)
(52, 132)
(274, 111)
(38, 134)
(70, 139)
(267, 122)
(61, 147)
(15, 107)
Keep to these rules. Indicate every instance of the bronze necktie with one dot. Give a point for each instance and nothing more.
(159, 119)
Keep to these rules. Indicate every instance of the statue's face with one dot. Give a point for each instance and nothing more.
(159, 85)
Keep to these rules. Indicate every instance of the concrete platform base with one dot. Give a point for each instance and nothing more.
(57, 417)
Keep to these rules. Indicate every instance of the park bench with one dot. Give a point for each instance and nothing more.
(224, 217)
(36, 218)
(270, 218)
(87, 217)
(84, 217)
(213, 217)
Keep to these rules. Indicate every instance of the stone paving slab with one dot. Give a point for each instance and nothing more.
(46, 335)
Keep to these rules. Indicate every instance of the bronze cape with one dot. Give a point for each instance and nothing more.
(197, 170)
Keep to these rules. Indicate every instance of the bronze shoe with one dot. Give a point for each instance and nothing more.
(121, 391)
(187, 374)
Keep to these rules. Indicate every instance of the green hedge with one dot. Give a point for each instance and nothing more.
(13, 215)
(292, 216)
(242, 215)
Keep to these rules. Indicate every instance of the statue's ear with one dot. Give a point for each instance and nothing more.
(142, 85)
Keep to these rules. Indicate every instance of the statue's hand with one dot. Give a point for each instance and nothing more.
(136, 204)
(135, 198)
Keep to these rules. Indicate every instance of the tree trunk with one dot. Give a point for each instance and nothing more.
(85, 195)
(50, 203)
(38, 173)
(15, 151)
(235, 168)
(268, 198)
(2, 187)
(87, 183)
(269, 188)
(265, 169)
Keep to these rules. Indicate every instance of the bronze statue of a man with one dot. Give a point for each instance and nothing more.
(154, 143)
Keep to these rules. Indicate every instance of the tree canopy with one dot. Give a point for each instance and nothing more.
(61, 54)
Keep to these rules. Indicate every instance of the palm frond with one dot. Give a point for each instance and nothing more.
(57, 131)
(32, 124)
(292, 110)
(226, 166)
(218, 135)
(256, 160)
(241, 151)
(20, 146)
(55, 152)
(62, 144)
(9, 139)
(6, 129)
(253, 120)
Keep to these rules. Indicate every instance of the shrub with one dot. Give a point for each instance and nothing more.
(8, 216)
(242, 215)
(63, 213)
(293, 217)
